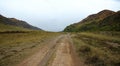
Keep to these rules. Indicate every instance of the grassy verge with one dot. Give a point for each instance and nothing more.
(15, 47)
(97, 49)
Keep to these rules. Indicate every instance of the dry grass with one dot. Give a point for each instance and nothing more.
(15, 47)
(100, 36)
(96, 49)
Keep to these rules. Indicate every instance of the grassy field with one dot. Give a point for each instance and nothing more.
(16, 46)
(95, 48)
(98, 49)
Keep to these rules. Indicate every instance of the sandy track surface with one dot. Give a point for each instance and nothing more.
(41, 57)
(62, 50)
(63, 54)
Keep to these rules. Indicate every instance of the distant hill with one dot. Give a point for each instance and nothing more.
(105, 20)
(12, 23)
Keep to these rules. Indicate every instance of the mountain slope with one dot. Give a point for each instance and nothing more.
(111, 23)
(4, 27)
(99, 16)
(12, 22)
(97, 22)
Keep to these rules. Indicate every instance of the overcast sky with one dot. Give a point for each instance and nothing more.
(54, 15)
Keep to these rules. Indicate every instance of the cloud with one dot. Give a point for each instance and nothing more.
(54, 15)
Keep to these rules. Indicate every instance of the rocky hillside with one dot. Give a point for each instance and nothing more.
(105, 20)
(16, 23)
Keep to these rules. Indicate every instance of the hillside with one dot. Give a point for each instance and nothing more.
(13, 24)
(105, 20)
(4, 27)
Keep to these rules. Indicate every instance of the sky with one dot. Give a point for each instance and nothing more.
(54, 15)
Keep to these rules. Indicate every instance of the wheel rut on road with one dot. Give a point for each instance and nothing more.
(60, 48)
(63, 54)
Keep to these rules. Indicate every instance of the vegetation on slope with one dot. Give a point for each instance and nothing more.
(111, 23)
(16, 23)
(103, 21)
(4, 27)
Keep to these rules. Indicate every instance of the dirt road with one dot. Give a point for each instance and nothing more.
(58, 52)
(63, 54)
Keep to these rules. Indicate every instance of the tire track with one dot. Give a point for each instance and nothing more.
(63, 54)
(41, 57)
(62, 50)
